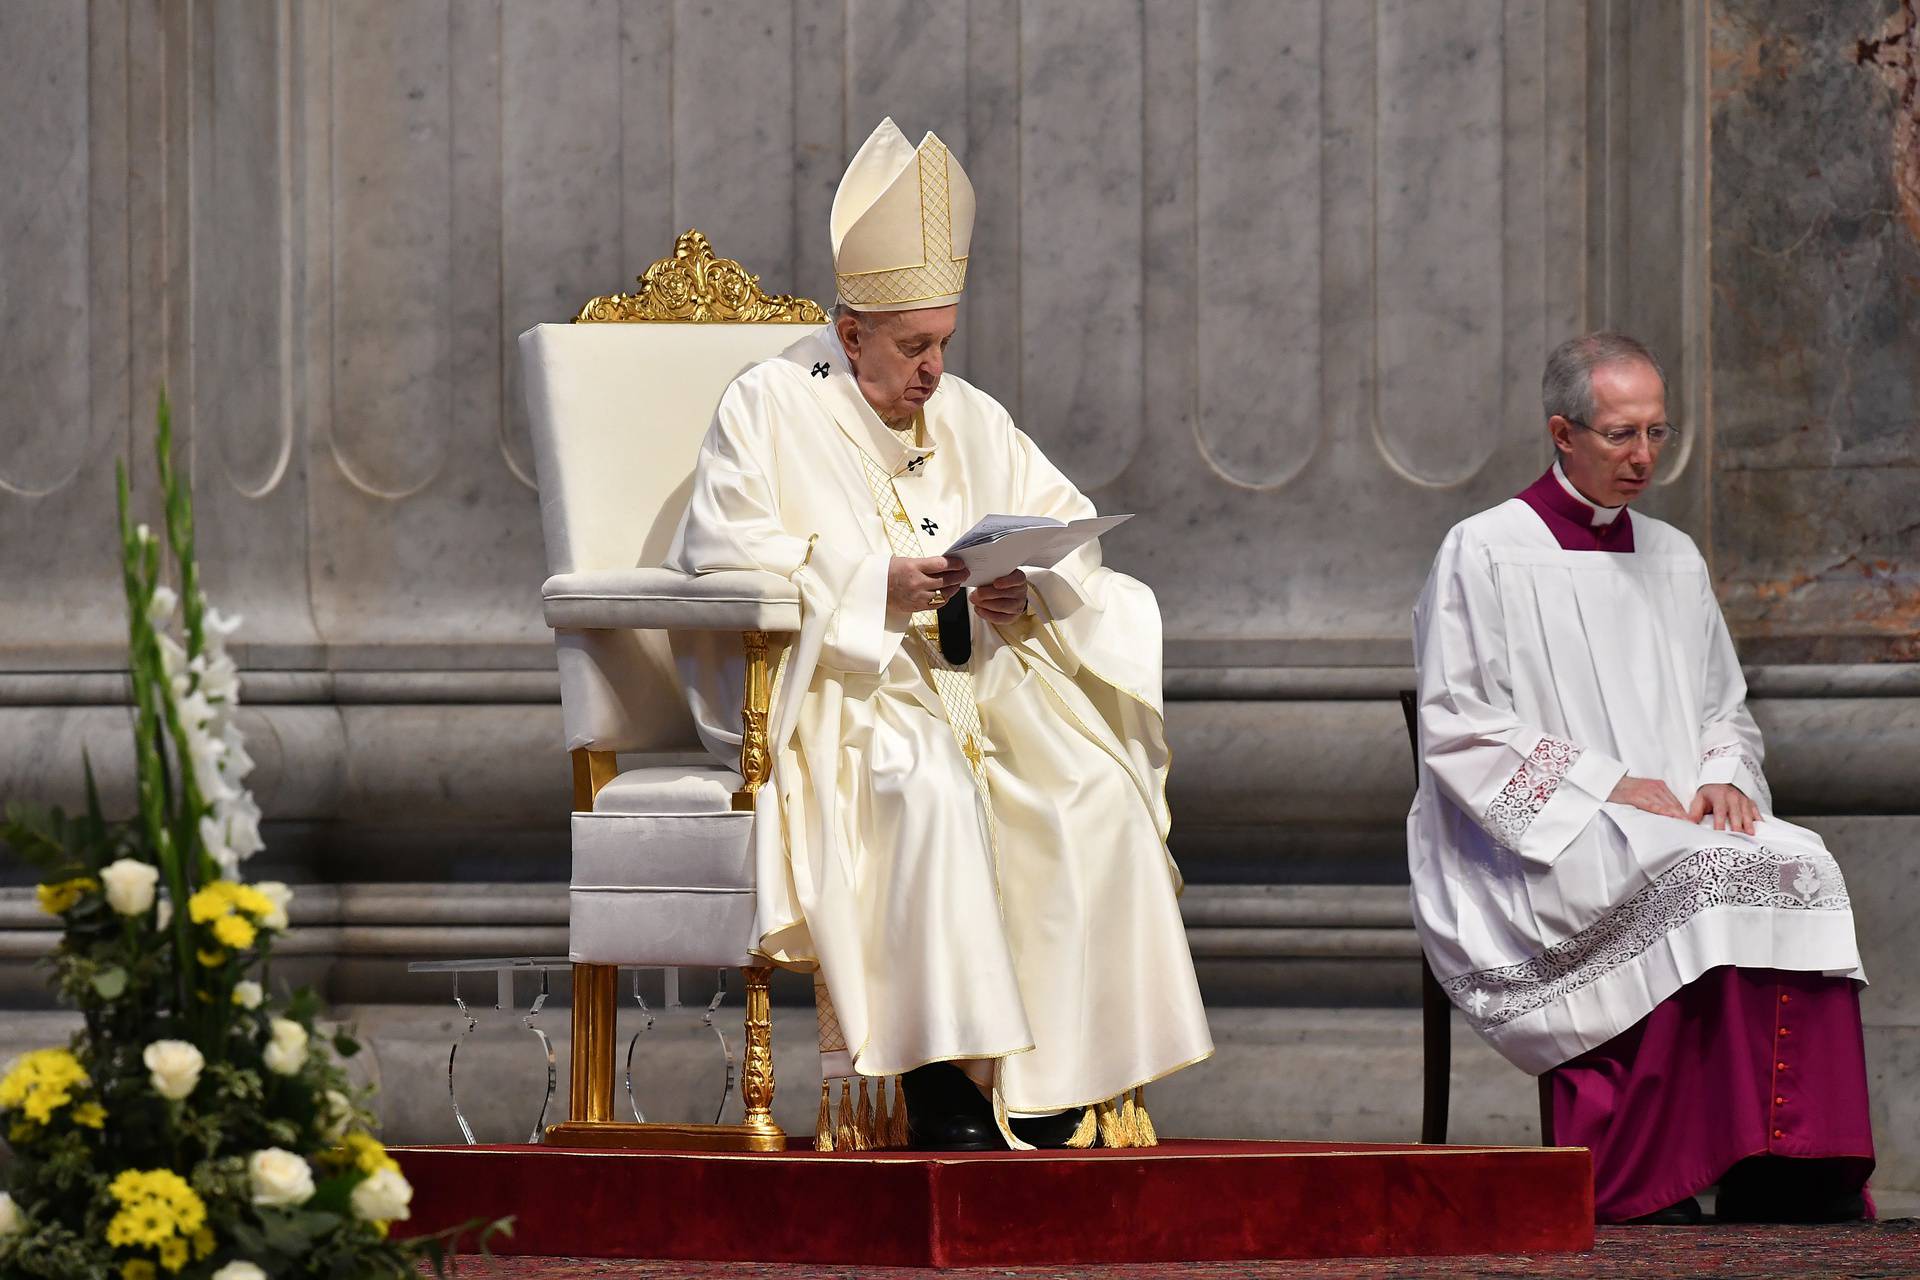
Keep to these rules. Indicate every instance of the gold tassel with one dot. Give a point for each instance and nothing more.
(823, 1127)
(863, 1119)
(1111, 1134)
(844, 1136)
(1087, 1130)
(882, 1122)
(901, 1141)
(1143, 1132)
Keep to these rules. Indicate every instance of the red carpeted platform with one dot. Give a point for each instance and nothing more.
(1183, 1201)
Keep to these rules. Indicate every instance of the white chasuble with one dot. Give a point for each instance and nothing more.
(1554, 918)
(1021, 910)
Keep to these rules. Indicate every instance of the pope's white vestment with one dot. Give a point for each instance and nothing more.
(1554, 918)
(1039, 930)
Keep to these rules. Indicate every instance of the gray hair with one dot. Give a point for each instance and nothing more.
(867, 320)
(1566, 388)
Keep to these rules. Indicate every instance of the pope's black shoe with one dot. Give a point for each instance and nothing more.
(1681, 1213)
(1781, 1189)
(945, 1112)
(1049, 1133)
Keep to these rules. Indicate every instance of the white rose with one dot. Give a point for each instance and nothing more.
(174, 1067)
(241, 1270)
(281, 897)
(130, 884)
(287, 1051)
(280, 1179)
(161, 606)
(382, 1197)
(12, 1221)
(247, 993)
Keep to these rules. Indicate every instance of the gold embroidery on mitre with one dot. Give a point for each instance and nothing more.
(940, 273)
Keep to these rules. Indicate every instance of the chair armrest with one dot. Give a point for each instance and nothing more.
(668, 600)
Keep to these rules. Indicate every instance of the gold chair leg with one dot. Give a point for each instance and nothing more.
(756, 1087)
(590, 1063)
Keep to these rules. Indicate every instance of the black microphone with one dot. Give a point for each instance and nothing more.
(956, 629)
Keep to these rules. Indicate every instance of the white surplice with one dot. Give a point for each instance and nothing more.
(1045, 936)
(1556, 919)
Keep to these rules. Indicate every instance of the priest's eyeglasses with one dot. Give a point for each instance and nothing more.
(1658, 435)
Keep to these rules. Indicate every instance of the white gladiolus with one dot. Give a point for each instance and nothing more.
(214, 837)
(12, 1221)
(235, 762)
(161, 606)
(218, 679)
(247, 994)
(130, 883)
(338, 1113)
(279, 1179)
(173, 1067)
(286, 1053)
(218, 626)
(382, 1197)
(163, 913)
(173, 663)
(143, 533)
(281, 896)
(239, 1270)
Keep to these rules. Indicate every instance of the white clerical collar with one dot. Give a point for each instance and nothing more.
(1601, 515)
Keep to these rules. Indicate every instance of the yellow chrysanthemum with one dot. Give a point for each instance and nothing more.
(209, 903)
(366, 1153)
(41, 1082)
(157, 1210)
(58, 899)
(233, 931)
(203, 1242)
(90, 1115)
(138, 1269)
(210, 959)
(249, 899)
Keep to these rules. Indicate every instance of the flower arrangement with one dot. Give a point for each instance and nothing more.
(195, 1126)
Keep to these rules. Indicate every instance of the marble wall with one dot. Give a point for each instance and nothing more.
(1277, 275)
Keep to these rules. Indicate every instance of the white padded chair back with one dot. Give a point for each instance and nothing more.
(618, 411)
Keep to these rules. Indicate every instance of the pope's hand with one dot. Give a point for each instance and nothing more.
(1002, 600)
(1728, 805)
(1650, 794)
(922, 583)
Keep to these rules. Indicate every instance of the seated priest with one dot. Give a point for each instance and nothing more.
(964, 829)
(1599, 880)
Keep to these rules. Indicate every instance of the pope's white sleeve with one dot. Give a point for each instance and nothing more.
(1530, 791)
(733, 522)
(1046, 491)
(1730, 746)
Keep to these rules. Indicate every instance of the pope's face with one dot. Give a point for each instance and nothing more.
(1627, 396)
(898, 357)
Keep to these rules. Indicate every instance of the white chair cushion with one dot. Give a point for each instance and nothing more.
(669, 789)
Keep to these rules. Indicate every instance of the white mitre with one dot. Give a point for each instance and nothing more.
(902, 225)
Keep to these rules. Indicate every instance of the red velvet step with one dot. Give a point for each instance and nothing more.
(1182, 1201)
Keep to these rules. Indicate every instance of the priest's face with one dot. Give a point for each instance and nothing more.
(898, 356)
(1627, 398)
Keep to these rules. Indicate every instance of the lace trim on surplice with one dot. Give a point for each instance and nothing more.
(1720, 876)
(1526, 793)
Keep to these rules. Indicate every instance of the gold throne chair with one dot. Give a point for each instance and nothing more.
(662, 868)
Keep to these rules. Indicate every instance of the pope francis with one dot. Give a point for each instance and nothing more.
(964, 831)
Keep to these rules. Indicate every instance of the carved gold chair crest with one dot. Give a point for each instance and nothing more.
(662, 868)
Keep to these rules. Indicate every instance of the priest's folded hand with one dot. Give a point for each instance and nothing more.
(1729, 806)
(1649, 794)
(1003, 599)
(915, 584)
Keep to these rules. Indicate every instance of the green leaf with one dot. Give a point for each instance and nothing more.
(345, 1045)
(110, 983)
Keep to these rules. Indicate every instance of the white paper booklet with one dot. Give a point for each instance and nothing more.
(998, 545)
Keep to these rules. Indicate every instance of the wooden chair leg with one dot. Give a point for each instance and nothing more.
(1436, 1017)
(590, 1060)
(1546, 1109)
